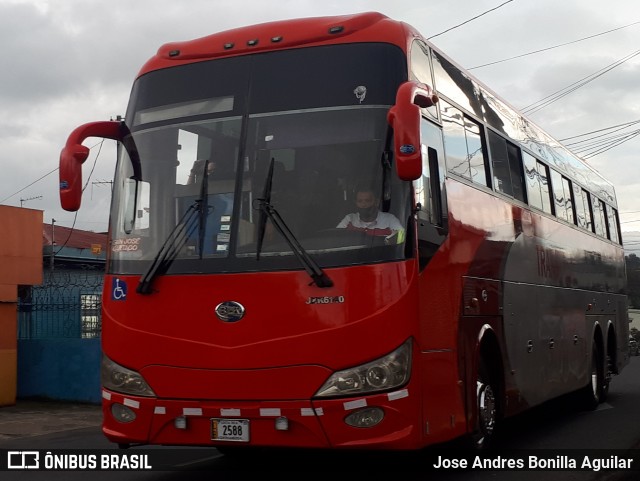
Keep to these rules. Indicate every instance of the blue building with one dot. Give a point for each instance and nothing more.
(59, 321)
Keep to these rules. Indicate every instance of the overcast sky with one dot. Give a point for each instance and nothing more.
(67, 62)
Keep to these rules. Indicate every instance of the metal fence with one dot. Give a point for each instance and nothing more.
(66, 305)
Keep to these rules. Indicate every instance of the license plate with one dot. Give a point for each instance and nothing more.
(230, 430)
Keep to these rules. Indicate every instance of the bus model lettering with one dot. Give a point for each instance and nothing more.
(243, 177)
(326, 300)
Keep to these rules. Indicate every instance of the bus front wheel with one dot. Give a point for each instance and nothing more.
(486, 409)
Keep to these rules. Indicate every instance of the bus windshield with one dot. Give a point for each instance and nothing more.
(205, 155)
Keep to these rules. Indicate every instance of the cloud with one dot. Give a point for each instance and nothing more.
(35, 57)
(67, 62)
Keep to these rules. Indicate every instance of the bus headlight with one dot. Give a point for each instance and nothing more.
(120, 379)
(388, 372)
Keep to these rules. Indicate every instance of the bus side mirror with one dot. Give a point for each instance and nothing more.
(73, 156)
(404, 118)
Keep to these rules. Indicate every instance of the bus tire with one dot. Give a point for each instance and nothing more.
(486, 409)
(606, 378)
(591, 394)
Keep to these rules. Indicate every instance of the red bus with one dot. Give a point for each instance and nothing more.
(326, 234)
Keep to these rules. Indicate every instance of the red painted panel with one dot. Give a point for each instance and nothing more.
(177, 326)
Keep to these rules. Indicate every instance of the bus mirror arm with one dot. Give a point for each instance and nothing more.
(74, 154)
(404, 119)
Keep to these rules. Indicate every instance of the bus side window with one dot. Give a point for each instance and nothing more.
(465, 149)
(537, 175)
(507, 167)
(421, 71)
(614, 231)
(599, 221)
(588, 211)
(562, 196)
(583, 215)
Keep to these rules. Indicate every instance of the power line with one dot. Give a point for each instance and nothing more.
(25, 188)
(551, 98)
(551, 48)
(467, 21)
(597, 147)
(611, 145)
(597, 141)
(626, 124)
(604, 139)
(44, 176)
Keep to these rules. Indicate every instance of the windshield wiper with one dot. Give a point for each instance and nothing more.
(316, 273)
(203, 208)
(196, 214)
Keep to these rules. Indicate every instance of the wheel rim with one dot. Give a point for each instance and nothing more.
(595, 384)
(486, 408)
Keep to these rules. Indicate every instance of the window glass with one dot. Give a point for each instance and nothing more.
(199, 155)
(429, 193)
(568, 203)
(533, 180)
(199, 194)
(475, 153)
(421, 71)
(543, 175)
(598, 216)
(560, 196)
(456, 85)
(90, 315)
(612, 218)
(455, 142)
(507, 167)
(432, 207)
(582, 210)
(463, 145)
(500, 164)
(587, 210)
(537, 175)
(515, 168)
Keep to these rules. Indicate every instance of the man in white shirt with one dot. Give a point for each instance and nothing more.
(371, 220)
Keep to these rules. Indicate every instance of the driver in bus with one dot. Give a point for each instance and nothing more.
(371, 220)
(195, 175)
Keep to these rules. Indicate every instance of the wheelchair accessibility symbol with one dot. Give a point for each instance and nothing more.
(118, 290)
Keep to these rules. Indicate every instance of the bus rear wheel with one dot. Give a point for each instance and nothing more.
(607, 376)
(591, 394)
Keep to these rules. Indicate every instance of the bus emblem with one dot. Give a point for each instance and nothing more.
(360, 92)
(230, 311)
(407, 149)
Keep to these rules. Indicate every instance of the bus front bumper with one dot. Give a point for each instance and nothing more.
(381, 421)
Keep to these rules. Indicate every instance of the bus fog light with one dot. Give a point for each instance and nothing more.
(180, 422)
(282, 424)
(365, 418)
(122, 413)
